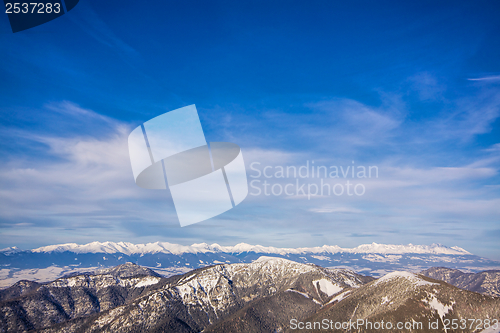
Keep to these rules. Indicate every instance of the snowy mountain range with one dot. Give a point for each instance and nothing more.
(268, 295)
(165, 247)
(50, 262)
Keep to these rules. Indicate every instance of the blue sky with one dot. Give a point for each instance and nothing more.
(412, 88)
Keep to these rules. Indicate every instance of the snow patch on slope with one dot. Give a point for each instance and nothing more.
(340, 297)
(440, 308)
(385, 300)
(405, 275)
(327, 287)
(321, 257)
(147, 282)
(267, 259)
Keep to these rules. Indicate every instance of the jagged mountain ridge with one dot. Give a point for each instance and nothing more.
(27, 305)
(487, 282)
(403, 297)
(263, 296)
(186, 303)
(50, 262)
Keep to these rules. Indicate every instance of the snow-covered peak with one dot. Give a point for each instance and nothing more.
(271, 259)
(129, 248)
(413, 278)
(165, 247)
(410, 248)
(58, 248)
(10, 250)
(276, 262)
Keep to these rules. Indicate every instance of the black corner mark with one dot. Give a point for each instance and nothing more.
(26, 14)
(70, 4)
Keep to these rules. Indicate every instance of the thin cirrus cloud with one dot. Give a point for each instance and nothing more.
(427, 86)
(355, 123)
(90, 22)
(486, 78)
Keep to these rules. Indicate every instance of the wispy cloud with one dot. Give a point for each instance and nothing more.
(486, 78)
(352, 123)
(92, 24)
(76, 111)
(427, 86)
(495, 148)
(79, 182)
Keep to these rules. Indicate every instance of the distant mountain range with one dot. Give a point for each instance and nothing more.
(267, 295)
(169, 248)
(487, 282)
(50, 262)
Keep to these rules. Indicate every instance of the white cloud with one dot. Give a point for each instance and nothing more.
(486, 78)
(468, 118)
(350, 123)
(494, 148)
(427, 86)
(78, 181)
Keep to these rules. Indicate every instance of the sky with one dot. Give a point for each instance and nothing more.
(412, 89)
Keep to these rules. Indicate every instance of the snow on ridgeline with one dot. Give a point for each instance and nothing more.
(165, 247)
(10, 250)
(413, 278)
